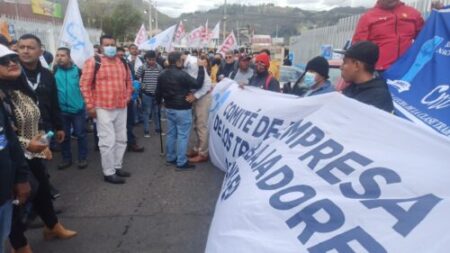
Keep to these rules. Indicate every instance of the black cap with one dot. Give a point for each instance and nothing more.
(319, 65)
(364, 51)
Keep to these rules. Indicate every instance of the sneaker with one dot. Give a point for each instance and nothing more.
(135, 148)
(121, 173)
(171, 163)
(64, 165)
(82, 164)
(146, 135)
(185, 167)
(54, 193)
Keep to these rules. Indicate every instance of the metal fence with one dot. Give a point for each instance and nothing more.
(48, 32)
(307, 45)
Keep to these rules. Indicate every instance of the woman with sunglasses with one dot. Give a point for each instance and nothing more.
(26, 116)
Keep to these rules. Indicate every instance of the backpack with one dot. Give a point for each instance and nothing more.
(98, 63)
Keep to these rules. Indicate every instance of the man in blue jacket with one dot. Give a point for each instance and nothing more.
(73, 112)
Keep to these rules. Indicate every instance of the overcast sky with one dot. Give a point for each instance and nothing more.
(174, 8)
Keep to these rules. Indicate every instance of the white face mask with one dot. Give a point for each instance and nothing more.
(309, 80)
(110, 51)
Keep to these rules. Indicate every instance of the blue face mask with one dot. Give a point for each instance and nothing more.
(309, 80)
(110, 51)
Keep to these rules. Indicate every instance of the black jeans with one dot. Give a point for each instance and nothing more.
(42, 205)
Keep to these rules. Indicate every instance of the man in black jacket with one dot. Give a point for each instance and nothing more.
(358, 69)
(174, 85)
(43, 83)
(13, 166)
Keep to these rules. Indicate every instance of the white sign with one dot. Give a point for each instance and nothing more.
(341, 177)
(75, 37)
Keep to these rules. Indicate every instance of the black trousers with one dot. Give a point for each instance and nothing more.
(42, 204)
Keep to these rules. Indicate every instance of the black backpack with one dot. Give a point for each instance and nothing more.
(98, 63)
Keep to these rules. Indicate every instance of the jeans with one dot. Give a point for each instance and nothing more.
(5, 223)
(78, 122)
(179, 124)
(150, 108)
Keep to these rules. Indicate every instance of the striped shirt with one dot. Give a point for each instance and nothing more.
(112, 89)
(148, 76)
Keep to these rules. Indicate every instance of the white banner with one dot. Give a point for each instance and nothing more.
(74, 36)
(162, 39)
(332, 175)
(141, 36)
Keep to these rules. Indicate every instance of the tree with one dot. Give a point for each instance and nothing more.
(124, 22)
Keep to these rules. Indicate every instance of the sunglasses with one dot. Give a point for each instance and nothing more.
(228, 57)
(6, 60)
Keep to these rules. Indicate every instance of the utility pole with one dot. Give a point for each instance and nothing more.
(156, 16)
(224, 20)
(150, 17)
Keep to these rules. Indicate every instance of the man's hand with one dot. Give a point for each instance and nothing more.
(22, 192)
(60, 135)
(92, 113)
(35, 145)
(48, 154)
(191, 98)
(201, 63)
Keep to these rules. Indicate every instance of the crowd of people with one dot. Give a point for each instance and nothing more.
(120, 87)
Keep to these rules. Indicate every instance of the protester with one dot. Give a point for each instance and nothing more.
(67, 76)
(148, 76)
(262, 78)
(216, 63)
(316, 77)
(358, 69)
(244, 73)
(228, 67)
(134, 58)
(14, 168)
(173, 86)
(42, 82)
(392, 26)
(131, 108)
(22, 100)
(201, 102)
(106, 92)
(274, 68)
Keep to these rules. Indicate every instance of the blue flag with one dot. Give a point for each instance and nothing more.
(420, 80)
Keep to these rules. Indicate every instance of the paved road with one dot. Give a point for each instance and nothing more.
(157, 210)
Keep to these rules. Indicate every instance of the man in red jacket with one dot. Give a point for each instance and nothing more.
(391, 25)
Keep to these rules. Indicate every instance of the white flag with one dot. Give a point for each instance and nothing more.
(180, 32)
(195, 38)
(229, 44)
(215, 33)
(141, 36)
(162, 39)
(74, 36)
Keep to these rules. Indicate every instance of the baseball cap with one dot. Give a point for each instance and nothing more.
(4, 51)
(364, 51)
(244, 57)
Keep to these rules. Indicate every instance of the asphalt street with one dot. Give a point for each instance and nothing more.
(157, 210)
